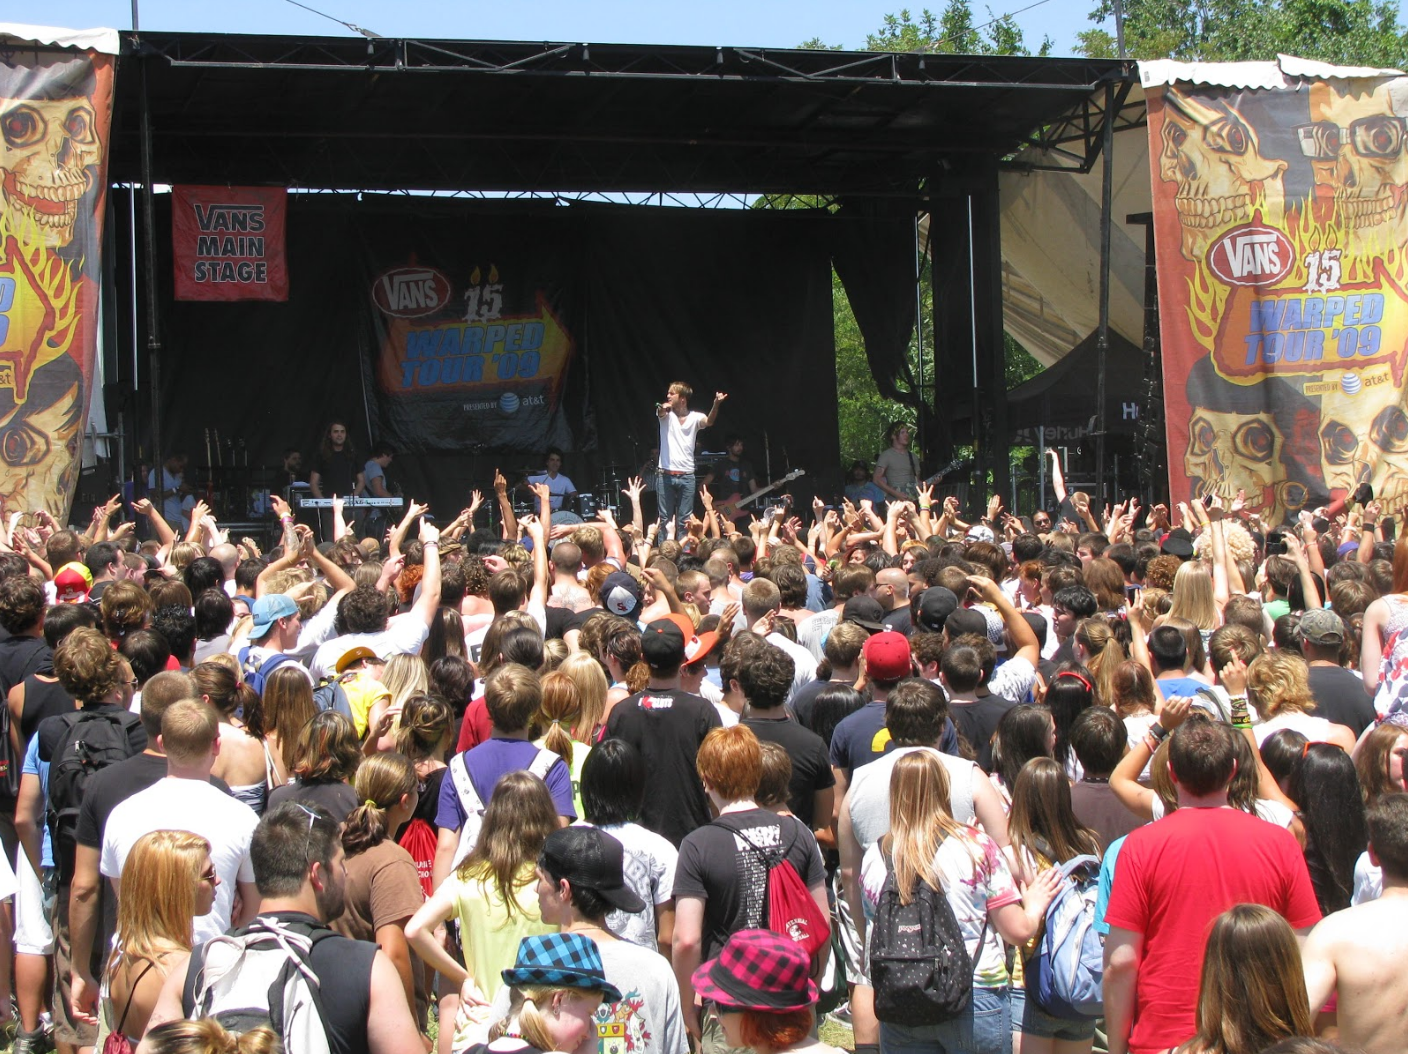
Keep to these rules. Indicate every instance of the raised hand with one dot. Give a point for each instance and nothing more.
(720, 397)
(635, 486)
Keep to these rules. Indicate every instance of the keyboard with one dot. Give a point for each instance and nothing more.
(353, 503)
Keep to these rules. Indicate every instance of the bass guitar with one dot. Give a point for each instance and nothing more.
(730, 508)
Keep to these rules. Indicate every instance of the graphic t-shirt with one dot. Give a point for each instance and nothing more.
(647, 1018)
(649, 868)
(976, 880)
(717, 865)
(667, 728)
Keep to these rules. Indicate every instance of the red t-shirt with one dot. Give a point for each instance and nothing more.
(1172, 879)
(475, 727)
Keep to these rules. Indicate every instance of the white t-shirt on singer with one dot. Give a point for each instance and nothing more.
(677, 439)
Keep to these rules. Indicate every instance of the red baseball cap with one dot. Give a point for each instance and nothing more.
(887, 656)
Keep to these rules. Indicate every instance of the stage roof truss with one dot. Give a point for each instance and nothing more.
(1073, 142)
(586, 117)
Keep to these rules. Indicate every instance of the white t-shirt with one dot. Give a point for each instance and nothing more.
(403, 635)
(559, 486)
(195, 806)
(649, 1009)
(648, 865)
(677, 440)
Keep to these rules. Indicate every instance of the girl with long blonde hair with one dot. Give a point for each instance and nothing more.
(168, 880)
(559, 714)
(1101, 653)
(1193, 598)
(589, 677)
(278, 717)
(493, 896)
(403, 677)
(926, 844)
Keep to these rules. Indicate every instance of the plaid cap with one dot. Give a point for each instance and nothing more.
(758, 970)
(567, 960)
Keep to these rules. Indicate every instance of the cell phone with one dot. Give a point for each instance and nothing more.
(1276, 543)
(1207, 501)
(1390, 528)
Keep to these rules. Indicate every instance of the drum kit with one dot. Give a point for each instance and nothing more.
(605, 496)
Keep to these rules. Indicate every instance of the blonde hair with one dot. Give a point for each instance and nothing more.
(1106, 654)
(208, 1036)
(1279, 681)
(920, 821)
(523, 1007)
(586, 673)
(561, 707)
(404, 676)
(382, 781)
(159, 882)
(1193, 597)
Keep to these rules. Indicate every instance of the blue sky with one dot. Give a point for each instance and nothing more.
(761, 23)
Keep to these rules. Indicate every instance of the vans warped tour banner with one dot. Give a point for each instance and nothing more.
(55, 108)
(473, 336)
(1279, 209)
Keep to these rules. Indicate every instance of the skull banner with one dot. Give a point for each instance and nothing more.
(1282, 255)
(55, 108)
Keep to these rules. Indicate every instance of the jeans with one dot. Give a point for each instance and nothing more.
(676, 499)
(985, 1029)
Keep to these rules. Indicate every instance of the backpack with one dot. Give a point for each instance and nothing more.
(792, 913)
(330, 695)
(261, 975)
(1068, 968)
(90, 742)
(920, 968)
(255, 676)
(419, 840)
(473, 804)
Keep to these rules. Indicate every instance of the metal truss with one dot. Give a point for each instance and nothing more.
(1073, 143)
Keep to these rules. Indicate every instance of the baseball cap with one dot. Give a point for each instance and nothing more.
(887, 656)
(269, 609)
(72, 583)
(1322, 626)
(936, 604)
(964, 621)
(696, 645)
(865, 612)
(621, 595)
(356, 655)
(592, 859)
(662, 645)
(979, 532)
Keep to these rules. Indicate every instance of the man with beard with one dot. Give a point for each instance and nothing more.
(300, 869)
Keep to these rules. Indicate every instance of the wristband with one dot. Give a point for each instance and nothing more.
(434, 541)
(1158, 732)
(285, 519)
(1368, 526)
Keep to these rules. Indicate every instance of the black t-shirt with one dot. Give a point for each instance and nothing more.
(718, 867)
(1340, 698)
(343, 967)
(899, 621)
(978, 721)
(667, 728)
(804, 699)
(22, 656)
(337, 473)
(730, 478)
(811, 764)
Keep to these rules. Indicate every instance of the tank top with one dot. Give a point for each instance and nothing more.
(42, 699)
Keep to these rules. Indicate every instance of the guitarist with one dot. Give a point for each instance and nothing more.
(732, 478)
(897, 469)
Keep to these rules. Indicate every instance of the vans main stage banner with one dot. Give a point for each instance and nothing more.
(1279, 218)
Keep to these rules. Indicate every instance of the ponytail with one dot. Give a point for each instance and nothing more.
(560, 710)
(382, 781)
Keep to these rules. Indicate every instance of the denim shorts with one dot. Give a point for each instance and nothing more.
(985, 1029)
(1031, 1020)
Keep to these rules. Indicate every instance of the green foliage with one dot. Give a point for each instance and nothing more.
(1358, 32)
(952, 32)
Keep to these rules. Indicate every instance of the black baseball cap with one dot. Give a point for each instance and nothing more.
(662, 645)
(589, 858)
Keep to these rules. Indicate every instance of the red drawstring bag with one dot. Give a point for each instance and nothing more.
(792, 912)
(419, 840)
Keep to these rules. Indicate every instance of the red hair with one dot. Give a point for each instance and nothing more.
(780, 1031)
(731, 761)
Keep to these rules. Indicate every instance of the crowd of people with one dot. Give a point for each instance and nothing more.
(1128, 777)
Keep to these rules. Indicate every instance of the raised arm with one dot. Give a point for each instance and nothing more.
(509, 520)
(632, 490)
(399, 532)
(1025, 642)
(719, 398)
(1058, 479)
(430, 579)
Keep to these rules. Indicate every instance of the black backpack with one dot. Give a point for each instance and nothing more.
(90, 742)
(920, 968)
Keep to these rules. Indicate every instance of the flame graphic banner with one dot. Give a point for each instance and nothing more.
(1279, 218)
(55, 110)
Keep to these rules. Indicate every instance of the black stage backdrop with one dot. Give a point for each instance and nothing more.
(473, 334)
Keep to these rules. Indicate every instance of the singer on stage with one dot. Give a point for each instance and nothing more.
(674, 483)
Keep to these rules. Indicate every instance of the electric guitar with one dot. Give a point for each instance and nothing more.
(731, 507)
(952, 466)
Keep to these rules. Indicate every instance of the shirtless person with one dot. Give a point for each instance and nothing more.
(1359, 953)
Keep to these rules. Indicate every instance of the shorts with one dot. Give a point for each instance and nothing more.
(34, 907)
(1030, 1019)
(67, 1029)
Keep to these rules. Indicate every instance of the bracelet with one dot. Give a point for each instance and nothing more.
(434, 541)
(1368, 526)
(925, 508)
(1158, 732)
(285, 519)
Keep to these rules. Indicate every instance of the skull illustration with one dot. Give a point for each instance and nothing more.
(1359, 150)
(1228, 452)
(1214, 158)
(1364, 441)
(40, 441)
(47, 147)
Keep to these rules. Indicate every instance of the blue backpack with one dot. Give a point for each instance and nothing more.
(255, 676)
(1068, 968)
